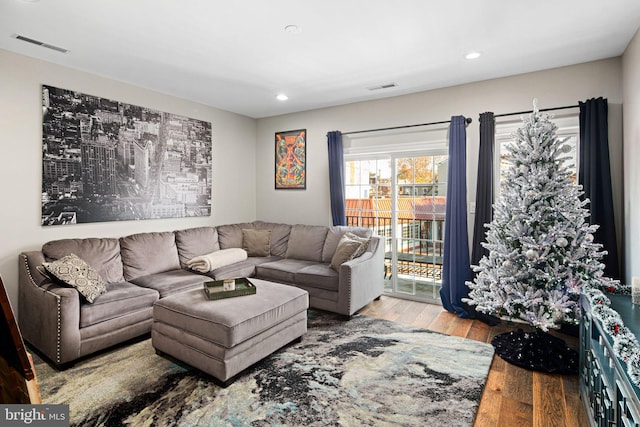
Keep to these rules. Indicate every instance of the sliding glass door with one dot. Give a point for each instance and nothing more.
(420, 209)
(402, 197)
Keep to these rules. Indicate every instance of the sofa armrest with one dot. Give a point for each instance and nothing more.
(48, 314)
(362, 278)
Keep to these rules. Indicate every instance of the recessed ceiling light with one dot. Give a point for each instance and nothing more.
(472, 55)
(294, 29)
(282, 97)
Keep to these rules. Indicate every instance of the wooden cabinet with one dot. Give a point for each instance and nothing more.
(609, 396)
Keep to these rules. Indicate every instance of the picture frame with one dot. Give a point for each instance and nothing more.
(107, 160)
(291, 160)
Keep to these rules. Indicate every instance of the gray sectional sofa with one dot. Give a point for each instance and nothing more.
(142, 268)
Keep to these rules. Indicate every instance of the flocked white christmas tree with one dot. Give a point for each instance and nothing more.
(541, 249)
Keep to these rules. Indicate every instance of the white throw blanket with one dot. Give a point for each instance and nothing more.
(208, 262)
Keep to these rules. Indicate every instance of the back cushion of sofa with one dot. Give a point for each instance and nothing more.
(194, 242)
(335, 234)
(101, 254)
(148, 253)
(230, 235)
(279, 236)
(306, 242)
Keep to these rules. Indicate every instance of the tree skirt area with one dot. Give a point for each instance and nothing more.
(363, 371)
(537, 351)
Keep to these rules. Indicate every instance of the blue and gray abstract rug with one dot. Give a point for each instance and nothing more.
(361, 372)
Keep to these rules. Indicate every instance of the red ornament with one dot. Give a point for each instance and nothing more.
(611, 288)
(616, 329)
(600, 302)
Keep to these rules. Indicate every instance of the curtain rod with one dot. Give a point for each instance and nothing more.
(531, 111)
(467, 120)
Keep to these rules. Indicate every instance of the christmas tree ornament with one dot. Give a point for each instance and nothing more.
(539, 212)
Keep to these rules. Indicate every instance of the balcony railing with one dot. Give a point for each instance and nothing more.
(419, 248)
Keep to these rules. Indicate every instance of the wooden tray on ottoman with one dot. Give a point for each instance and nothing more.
(215, 289)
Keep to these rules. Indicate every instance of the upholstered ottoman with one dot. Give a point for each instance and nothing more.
(223, 337)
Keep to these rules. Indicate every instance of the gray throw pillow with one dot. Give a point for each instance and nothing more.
(364, 243)
(346, 250)
(334, 235)
(75, 272)
(256, 242)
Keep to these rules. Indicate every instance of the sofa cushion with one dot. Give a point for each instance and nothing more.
(101, 254)
(320, 276)
(283, 270)
(73, 271)
(196, 241)
(279, 236)
(121, 299)
(306, 242)
(334, 235)
(148, 253)
(230, 235)
(256, 242)
(171, 282)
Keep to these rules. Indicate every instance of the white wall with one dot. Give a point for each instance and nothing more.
(552, 88)
(631, 119)
(21, 161)
(242, 192)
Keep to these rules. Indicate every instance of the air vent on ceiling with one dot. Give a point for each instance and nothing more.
(39, 43)
(385, 86)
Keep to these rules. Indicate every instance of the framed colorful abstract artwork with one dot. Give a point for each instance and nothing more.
(291, 160)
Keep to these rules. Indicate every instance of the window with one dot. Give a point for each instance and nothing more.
(367, 194)
(395, 183)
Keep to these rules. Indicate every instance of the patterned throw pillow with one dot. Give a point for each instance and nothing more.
(75, 272)
(349, 247)
(364, 243)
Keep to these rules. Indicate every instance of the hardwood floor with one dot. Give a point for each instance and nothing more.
(512, 396)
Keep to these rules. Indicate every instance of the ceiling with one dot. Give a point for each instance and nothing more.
(237, 56)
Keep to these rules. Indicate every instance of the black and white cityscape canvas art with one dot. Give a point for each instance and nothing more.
(104, 160)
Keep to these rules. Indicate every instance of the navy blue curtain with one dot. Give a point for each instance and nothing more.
(484, 186)
(336, 177)
(456, 269)
(595, 177)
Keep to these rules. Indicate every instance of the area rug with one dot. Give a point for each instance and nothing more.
(364, 371)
